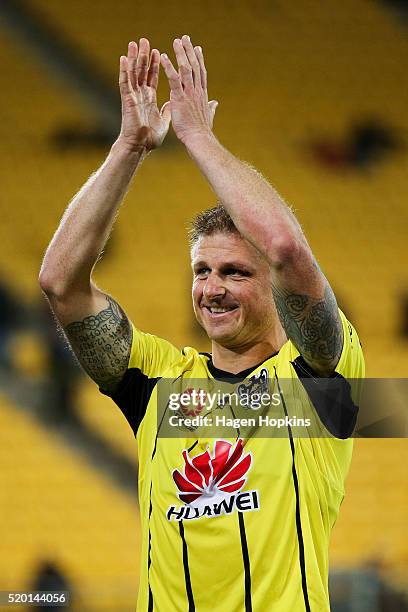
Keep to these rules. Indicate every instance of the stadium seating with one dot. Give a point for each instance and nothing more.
(284, 73)
(371, 526)
(299, 87)
(56, 508)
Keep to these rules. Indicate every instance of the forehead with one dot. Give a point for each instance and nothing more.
(221, 248)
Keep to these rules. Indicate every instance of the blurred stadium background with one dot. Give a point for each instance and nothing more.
(312, 93)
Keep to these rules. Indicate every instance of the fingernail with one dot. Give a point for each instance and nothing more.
(164, 55)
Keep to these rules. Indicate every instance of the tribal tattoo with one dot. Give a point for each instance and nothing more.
(313, 326)
(102, 344)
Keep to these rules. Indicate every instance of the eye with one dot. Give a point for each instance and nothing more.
(202, 272)
(235, 272)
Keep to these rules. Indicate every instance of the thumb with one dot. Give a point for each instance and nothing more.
(213, 107)
(165, 113)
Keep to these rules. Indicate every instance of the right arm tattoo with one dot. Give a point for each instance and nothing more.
(313, 326)
(102, 344)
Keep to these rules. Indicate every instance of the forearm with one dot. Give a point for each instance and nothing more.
(257, 210)
(87, 223)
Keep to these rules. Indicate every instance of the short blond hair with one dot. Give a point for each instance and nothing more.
(211, 221)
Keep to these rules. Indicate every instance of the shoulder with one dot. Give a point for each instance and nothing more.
(151, 354)
(351, 363)
(158, 357)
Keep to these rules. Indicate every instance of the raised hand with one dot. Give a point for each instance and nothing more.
(191, 113)
(143, 125)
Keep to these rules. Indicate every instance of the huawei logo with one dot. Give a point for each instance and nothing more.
(211, 478)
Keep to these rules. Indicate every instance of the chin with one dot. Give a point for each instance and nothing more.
(221, 336)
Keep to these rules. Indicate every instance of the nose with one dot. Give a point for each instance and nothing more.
(214, 287)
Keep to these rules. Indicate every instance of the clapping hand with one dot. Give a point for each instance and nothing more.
(192, 114)
(143, 125)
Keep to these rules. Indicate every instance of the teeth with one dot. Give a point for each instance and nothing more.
(219, 309)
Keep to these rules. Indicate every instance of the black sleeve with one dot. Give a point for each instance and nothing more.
(133, 395)
(331, 398)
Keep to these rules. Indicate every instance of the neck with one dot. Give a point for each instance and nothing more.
(237, 359)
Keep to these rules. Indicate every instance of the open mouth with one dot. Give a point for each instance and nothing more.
(218, 312)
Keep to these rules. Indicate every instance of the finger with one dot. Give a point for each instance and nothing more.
(124, 81)
(153, 74)
(203, 71)
(185, 71)
(165, 112)
(213, 107)
(192, 58)
(172, 75)
(132, 57)
(142, 63)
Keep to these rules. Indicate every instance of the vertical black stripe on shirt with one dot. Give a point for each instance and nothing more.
(150, 608)
(189, 590)
(149, 559)
(192, 446)
(161, 422)
(247, 567)
(298, 520)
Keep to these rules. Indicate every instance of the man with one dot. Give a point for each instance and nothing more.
(261, 541)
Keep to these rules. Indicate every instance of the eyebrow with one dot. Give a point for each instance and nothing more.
(224, 266)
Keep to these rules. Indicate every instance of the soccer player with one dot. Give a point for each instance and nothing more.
(240, 523)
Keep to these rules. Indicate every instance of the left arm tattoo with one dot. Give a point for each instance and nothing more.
(313, 326)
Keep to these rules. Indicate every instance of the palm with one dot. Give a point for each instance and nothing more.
(142, 120)
(142, 123)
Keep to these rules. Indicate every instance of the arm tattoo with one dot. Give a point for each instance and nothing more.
(102, 344)
(312, 325)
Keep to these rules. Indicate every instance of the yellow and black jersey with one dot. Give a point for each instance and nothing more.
(236, 523)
